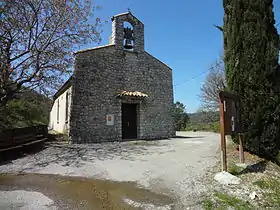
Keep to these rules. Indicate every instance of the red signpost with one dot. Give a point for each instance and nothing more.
(229, 123)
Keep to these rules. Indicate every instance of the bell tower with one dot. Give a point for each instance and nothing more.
(127, 33)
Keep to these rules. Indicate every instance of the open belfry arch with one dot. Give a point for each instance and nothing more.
(119, 91)
(123, 35)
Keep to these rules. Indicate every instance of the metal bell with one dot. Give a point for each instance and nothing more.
(128, 44)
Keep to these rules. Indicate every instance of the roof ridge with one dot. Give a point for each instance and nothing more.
(94, 48)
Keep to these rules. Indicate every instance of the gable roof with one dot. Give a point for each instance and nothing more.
(94, 48)
(63, 88)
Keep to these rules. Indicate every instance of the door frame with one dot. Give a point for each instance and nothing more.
(137, 120)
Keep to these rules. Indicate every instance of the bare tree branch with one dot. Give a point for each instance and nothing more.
(37, 40)
(213, 84)
(220, 28)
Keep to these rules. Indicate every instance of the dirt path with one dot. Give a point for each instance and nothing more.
(175, 168)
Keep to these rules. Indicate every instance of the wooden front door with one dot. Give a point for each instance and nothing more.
(129, 121)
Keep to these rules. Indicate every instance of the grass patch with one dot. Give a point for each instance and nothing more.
(222, 201)
(273, 187)
(234, 169)
(227, 200)
(268, 184)
(208, 204)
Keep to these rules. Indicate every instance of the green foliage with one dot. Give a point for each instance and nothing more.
(234, 169)
(29, 109)
(227, 200)
(215, 127)
(181, 118)
(208, 204)
(23, 113)
(268, 184)
(251, 46)
(222, 201)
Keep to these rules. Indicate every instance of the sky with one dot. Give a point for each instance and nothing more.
(180, 33)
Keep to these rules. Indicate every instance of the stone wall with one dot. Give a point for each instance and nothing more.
(117, 31)
(102, 73)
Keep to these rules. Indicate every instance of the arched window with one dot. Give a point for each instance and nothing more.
(128, 41)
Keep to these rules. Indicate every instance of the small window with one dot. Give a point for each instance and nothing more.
(57, 116)
(66, 107)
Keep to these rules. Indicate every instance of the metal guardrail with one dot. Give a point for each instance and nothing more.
(20, 137)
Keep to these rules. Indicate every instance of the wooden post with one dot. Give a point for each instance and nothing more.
(241, 151)
(223, 137)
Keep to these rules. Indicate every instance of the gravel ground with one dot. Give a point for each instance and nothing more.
(176, 167)
(24, 200)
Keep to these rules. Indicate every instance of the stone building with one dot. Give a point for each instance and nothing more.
(117, 92)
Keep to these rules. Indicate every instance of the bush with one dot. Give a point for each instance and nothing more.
(22, 113)
(215, 127)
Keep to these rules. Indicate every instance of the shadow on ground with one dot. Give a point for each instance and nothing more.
(255, 168)
(75, 155)
(8, 156)
(188, 137)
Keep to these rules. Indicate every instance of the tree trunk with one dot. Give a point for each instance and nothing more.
(3, 117)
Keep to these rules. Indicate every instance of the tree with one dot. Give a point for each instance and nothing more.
(30, 108)
(208, 116)
(213, 84)
(252, 71)
(22, 113)
(37, 40)
(180, 116)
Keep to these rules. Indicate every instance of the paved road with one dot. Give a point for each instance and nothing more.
(175, 167)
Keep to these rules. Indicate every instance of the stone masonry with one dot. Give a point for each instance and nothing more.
(104, 72)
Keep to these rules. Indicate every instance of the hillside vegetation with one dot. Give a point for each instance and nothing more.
(30, 108)
(204, 121)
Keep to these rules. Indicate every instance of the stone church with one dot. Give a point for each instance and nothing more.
(117, 92)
